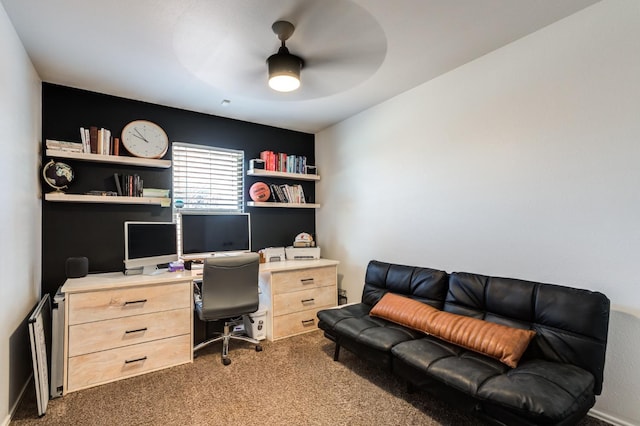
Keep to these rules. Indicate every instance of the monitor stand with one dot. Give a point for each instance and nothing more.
(153, 270)
(145, 270)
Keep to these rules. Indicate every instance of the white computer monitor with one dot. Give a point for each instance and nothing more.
(149, 244)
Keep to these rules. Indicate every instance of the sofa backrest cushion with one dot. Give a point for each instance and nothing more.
(423, 284)
(571, 324)
(506, 344)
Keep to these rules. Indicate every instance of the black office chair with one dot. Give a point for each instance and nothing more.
(229, 291)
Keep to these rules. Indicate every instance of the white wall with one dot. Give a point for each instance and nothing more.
(20, 215)
(524, 163)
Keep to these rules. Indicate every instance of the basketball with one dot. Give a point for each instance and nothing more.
(259, 191)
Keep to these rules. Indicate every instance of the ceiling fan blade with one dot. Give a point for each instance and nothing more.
(234, 61)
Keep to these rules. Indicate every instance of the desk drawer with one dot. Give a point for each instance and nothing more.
(303, 279)
(115, 333)
(107, 366)
(117, 303)
(296, 323)
(296, 301)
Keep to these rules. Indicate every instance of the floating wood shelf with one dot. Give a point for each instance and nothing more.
(283, 205)
(113, 159)
(102, 199)
(269, 173)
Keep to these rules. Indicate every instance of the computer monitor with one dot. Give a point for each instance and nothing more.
(207, 234)
(148, 244)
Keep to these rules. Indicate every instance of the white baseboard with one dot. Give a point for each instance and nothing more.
(609, 418)
(7, 420)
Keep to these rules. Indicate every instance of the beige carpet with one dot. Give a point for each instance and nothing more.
(292, 382)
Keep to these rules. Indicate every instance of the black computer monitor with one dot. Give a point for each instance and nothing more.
(148, 244)
(206, 234)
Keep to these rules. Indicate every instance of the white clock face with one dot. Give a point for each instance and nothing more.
(145, 139)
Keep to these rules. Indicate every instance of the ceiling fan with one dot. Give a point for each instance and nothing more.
(317, 58)
(284, 67)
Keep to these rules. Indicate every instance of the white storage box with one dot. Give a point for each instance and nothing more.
(57, 345)
(273, 254)
(257, 330)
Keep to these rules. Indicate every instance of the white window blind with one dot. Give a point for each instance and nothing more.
(207, 178)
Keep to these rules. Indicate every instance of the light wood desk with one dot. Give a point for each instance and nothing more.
(119, 326)
(294, 291)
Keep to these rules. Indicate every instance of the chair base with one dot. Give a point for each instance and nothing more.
(226, 337)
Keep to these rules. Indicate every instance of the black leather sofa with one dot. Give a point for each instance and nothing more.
(555, 381)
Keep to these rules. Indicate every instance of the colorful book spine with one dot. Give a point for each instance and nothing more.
(283, 162)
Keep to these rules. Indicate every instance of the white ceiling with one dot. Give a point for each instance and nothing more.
(192, 54)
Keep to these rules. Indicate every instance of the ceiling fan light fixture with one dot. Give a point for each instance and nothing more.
(284, 68)
(284, 71)
(284, 83)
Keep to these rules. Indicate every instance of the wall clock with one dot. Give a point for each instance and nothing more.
(145, 139)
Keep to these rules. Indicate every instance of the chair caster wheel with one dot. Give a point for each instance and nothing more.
(226, 361)
(258, 348)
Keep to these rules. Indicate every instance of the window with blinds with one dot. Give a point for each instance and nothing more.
(207, 178)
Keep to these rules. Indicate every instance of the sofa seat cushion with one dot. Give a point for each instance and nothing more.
(330, 317)
(543, 391)
(453, 365)
(374, 333)
(352, 323)
(371, 338)
(506, 344)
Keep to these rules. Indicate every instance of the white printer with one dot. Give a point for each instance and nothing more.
(302, 253)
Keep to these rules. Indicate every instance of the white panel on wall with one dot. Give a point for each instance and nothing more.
(20, 125)
(523, 163)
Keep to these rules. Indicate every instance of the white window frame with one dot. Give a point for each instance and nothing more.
(207, 179)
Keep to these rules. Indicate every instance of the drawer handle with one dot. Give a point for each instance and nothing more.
(306, 280)
(135, 331)
(129, 361)
(308, 322)
(308, 300)
(135, 301)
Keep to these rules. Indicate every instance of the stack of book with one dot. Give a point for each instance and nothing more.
(155, 192)
(54, 145)
(281, 162)
(99, 141)
(132, 186)
(287, 194)
(94, 141)
(128, 185)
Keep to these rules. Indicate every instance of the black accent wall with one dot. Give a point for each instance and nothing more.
(96, 230)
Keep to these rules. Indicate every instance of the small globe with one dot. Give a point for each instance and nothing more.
(57, 175)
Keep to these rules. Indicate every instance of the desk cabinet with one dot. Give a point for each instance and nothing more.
(293, 292)
(118, 327)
